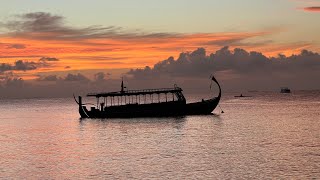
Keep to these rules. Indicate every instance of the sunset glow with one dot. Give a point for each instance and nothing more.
(34, 35)
(130, 53)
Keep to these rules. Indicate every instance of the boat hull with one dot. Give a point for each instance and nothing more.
(165, 109)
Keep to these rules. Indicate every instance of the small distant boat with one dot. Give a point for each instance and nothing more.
(285, 90)
(241, 96)
(132, 103)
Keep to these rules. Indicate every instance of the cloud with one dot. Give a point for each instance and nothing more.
(312, 9)
(18, 57)
(98, 58)
(46, 26)
(96, 47)
(14, 83)
(12, 46)
(46, 35)
(100, 76)
(238, 60)
(76, 77)
(236, 70)
(21, 65)
(16, 46)
(97, 77)
(44, 59)
(24, 65)
(252, 69)
(54, 85)
(45, 86)
(5, 67)
(80, 78)
(48, 78)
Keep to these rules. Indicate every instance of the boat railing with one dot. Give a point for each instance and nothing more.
(142, 91)
(153, 90)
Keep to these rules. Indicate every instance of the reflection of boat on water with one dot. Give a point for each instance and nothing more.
(241, 96)
(285, 90)
(123, 123)
(133, 103)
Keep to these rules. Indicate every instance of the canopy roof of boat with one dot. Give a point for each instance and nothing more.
(136, 92)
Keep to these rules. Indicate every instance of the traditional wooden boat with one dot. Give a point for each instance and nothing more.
(140, 103)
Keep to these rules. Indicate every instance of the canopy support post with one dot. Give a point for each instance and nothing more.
(97, 102)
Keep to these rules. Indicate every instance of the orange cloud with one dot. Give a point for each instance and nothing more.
(132, 53)
(37, 35)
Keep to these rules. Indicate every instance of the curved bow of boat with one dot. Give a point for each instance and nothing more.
(204, 106)
(76, 99)
(215, 80)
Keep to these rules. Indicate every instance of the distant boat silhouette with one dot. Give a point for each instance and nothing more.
(285, 90)
(128, 104)
(242, 96)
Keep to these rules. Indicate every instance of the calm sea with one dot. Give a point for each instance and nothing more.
(268, 136)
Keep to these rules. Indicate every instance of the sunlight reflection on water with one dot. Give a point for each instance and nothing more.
(267, 136)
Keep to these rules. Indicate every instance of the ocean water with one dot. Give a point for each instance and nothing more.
(268, 136)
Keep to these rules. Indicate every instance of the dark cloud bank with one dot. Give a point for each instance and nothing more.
(21, 65)
(46, 26)
(237, 70)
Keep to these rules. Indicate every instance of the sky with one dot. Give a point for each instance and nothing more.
(60, 38)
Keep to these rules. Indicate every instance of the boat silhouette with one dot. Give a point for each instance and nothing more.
(241, 96)
(285, 90)
(132, 103)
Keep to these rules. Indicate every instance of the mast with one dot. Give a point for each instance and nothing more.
(122, 87)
